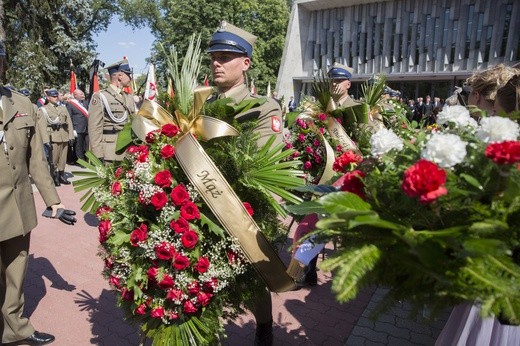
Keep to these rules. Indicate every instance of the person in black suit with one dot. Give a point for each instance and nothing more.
(78, 110)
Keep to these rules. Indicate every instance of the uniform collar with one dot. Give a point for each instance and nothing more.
(237, 93)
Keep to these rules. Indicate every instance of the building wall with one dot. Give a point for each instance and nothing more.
(407, 40)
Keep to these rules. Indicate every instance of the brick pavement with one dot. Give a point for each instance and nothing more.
(67, 296)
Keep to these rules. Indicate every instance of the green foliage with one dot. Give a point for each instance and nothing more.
(172, 21)
(44, 37)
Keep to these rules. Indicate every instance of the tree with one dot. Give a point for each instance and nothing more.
(172, 22)
(50, 36)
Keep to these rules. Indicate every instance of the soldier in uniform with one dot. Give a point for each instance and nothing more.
(110, 109)
(61, 133)
(21, 156)
(340, 76)
(230, 50)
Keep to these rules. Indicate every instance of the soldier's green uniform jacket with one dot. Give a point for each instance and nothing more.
(57, 115)
(21, 155)
(268, 115)
(104, 125)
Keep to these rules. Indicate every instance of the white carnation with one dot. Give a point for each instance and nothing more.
(458, 115)
(383, 141)
(497, 129)
(446, 150)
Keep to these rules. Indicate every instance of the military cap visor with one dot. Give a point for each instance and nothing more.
(120, 67)
(339, 73)
(52, 93)
(229, 42)
(24, 92)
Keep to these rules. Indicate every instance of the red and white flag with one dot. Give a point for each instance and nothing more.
(253, 88)
(150, 91)
(73, 82)
(206, 81)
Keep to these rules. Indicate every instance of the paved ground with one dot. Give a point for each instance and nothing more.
(67, 296)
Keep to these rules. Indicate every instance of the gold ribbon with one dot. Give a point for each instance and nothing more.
(211, 184)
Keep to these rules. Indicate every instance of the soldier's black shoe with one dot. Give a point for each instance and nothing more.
(264, 334)
(63, 179)
(35, 338)
(56, 179)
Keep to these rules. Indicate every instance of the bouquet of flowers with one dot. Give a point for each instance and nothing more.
(174, 267)
(433, 214)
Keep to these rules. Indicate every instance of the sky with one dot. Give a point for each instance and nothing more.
(120, 40)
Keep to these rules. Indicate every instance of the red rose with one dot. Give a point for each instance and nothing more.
(424, 180)
(179, 195)
(210, 286)
(114, 281)
(170, 130)
(189, 307)
(181, 262)
(193, 287)
(159, 200)
(139, 234)
(180, 225)
(232, 256)
(152, 274)
(189, 239)
(248, 208)
(190, 211)
(103, 210)
(352, 182)
(504, 153)
(173, 315)
(163, 178)
(104, 228)
(119, 172)
(143, 153)
(166, 283)
(202, 265)
(157, 312)
(116, 188)
(204, 298)
(141, 309)
(174, 295)
(164, 251)
(151, 136)
(345, 162)
(133, 149)
(168, 151)
(108, 263)
(127, 294)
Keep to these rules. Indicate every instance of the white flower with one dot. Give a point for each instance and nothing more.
(383, 141)
(458, 115)
(497, 129)
(446, 150)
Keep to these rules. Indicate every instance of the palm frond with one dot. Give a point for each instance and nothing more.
(91, 181)
(372, 92)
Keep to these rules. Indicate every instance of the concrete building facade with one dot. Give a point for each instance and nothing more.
(422, 47)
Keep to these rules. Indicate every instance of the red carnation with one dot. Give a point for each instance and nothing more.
(179, 195)
(352, 182)
(204, 298)
(190, 211)
(157, 312)
(127, 294)
(159, 200)
(344, 162)
(202, 265)
(114, 281)
(163, 178)
(169, 130)
(210, 286)
(424, 180)
(103, 210)
(119, 172)
(116, 188)
(189, 239)
(166, 283)
(104, 228)
(504, 153)
(168, 151)
(189, 307)
(150, 136)
(180, 225)
(248, 207)
(164, 251)
(181, 262)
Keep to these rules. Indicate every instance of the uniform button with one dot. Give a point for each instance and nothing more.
(14, 167)
(14, 187)
(11, 147)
